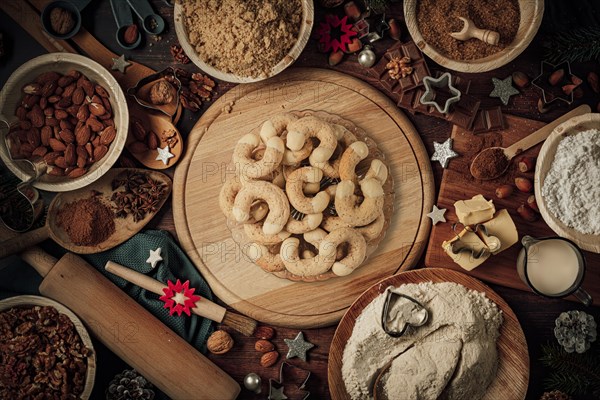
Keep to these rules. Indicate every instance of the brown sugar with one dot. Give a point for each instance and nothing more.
(438, 18)
(247, 38)
(490, 163)
(86, 221)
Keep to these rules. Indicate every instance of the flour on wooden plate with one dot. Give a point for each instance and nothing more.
(571, 189)
(452, 356)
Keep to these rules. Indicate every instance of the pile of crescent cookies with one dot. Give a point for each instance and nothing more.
(296, 191)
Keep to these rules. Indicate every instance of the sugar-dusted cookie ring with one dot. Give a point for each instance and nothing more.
(354, 154)
(308, 223)
(378, 170)
(294, 187)
(229, 191)
(255, 234)
(368, 210)
(266, 257)
(301, 130)
(279, 207)
(331, 167)
(305, 266)
(255, 169)
(276, 125)
(357, 250)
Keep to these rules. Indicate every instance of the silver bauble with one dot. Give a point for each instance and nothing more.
(367, 57)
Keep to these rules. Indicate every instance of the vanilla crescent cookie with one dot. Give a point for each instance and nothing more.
(276, 125)
(331, 167)
(374, 229)
(279, 206)
(354, 154)
(294, 187)
(229, 191)
(370, 208)
(254, 169)
(308, 223)
(378, 170)
(305, 266)
(357, 250)
(266, 257)
(255, 234)
(301, 130)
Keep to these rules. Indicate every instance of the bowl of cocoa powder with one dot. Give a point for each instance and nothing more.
(430, 23)
(67, 112)
(243, 41)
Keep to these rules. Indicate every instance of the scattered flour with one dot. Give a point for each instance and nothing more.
(452, 356)
(571, 188)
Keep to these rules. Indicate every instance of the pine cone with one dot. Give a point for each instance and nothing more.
(129, 385)
(555, 395)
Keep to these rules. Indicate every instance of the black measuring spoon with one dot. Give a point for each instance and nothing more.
(124, 19)
(153, 23)
(73, 7)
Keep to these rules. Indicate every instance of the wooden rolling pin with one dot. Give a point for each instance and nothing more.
(129, 330)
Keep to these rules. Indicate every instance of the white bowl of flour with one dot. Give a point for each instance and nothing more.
(566, 181)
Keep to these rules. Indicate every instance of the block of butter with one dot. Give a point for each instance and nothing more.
(475, 210)
(502, 227)
(471, 245)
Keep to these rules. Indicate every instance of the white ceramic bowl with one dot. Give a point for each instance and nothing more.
(10, 98)
(293, 54)
(30, 301)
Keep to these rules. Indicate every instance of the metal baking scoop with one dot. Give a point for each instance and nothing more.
(124, 19)
(73, 6)
(469, 31)
(124, 227)
(394, 303)
(153, 23)
(524, 144)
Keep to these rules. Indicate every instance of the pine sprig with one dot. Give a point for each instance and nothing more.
(577, 45)
(572, 373)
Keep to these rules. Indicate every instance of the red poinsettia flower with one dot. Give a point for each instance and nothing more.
(179, 297)
(335, 34)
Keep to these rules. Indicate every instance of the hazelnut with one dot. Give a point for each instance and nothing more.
(523, 184)
(161, 93)
(526, 164)
(556, 77)
(532, 203)
(220, 342)
(395, 31)
(520, 79)
(61, 20)
(336, 57)
(526, 213)
(594, 82)
(504, 191)
(269, 359)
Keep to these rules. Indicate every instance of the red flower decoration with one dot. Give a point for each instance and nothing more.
(179, 297)
(335, 34)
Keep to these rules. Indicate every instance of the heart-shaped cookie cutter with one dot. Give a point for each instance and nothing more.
(390, 295)
(492, 243)
(170, 75)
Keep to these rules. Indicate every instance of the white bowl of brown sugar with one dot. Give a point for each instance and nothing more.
(430, 23)
(243, 41)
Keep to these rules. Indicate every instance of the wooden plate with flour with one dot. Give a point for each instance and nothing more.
(513, 358)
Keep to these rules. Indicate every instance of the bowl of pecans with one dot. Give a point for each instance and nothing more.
(64, 113)
(45, 350)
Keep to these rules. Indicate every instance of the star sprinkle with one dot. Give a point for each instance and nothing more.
(178, 297)
(437, 215)
(164, 154)
(443, 152)
(277, 393)
(154, 258)
(503, 89)
(298, 347)
(120, 64)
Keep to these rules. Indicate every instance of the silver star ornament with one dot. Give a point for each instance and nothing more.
(503, 89)
(437, 215)
(120, 64)
(298, 347)
(443, 152)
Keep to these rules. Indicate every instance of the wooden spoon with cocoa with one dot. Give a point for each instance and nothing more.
(492, 162)
(63, 230)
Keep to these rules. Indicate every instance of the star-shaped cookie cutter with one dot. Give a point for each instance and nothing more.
(431, 97)
(552, 93)
(276, 387)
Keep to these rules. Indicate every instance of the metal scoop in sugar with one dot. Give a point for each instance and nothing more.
(401, 312)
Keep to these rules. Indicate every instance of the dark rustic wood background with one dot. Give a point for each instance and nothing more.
(535, 313)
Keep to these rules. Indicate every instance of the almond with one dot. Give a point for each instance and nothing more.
(55, 171)
(264, 346)
(108, 135)
(65, 124)
(107, 105)
(69, 90)
(45, 135)
(81, 161)
(30, 100)
(82, 135)
(47, 77)
(51, 121)
(269, 359)
(152, 140)
(138, 131)
(49, 88)
(97, 109)
(89, 149)
(36, 116)
(264, 332)
(54, 99)
(49, 111)
(43, 103)
(25, 125)
(137, 147)
(524, 184)
(60, 162)
(88, 87)
(40, 151)
(51, 157)
(59, 91)
(101, 91)
(78, 96)
(94, 124)
(33, 137)
(65, 80)
(74, 73)
(70, 155)
(83, 113)
(21, 113)
(56, 144)
(60, 114)
(64, 102)
(100, 152)
(76, 172)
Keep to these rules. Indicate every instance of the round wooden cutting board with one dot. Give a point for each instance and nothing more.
(512, 377)
(202, 228)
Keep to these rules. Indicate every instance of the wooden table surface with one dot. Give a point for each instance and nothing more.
(535, 313)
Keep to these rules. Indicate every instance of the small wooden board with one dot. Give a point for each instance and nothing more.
(458, 184)
(202, 227)
(512, 377)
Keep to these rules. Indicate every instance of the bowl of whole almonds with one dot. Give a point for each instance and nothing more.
(65, 113)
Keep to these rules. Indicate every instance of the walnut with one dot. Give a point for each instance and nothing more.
(220, 342)
(178, 54)
(161, 93)
(399, 67)
(61, 20)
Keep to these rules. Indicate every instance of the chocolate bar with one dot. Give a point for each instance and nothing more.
(488, 119)
(409, 82)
